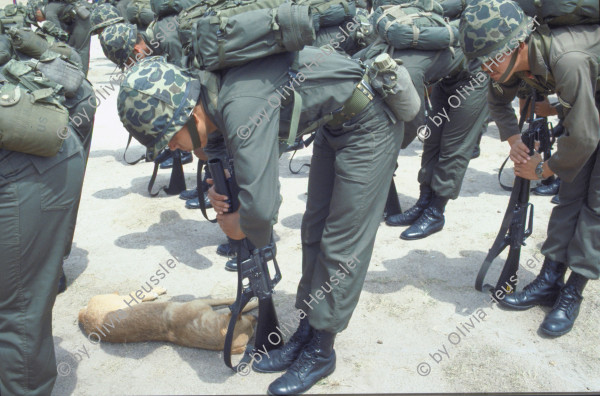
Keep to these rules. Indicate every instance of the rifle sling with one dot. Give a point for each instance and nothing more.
(241, 299)
(200, 187)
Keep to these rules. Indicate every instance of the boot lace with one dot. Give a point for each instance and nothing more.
(568, 298)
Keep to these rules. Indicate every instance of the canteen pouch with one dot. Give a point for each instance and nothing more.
(27, 42)
(83, 12)
(60, 71)
(29, 126)
(392, 81)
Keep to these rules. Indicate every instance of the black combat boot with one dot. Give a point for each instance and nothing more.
(543, 290)
(194, 203)
(231, 264)
(411, 215)
(282, 358)
(431, 221)
(560, 320)
(316, 361)
(548, 187)
(555, 200)
(226, 250)
(189, 194)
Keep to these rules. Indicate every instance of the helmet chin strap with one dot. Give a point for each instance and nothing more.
(511, 65)
(193, 131)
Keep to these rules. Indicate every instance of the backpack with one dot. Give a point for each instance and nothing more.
(163, 8)
(427, 5)
(12, 15)
(33, 119)
(418, 24)
(140, 13)
(562, 12)
(234, 36)
(327, 13)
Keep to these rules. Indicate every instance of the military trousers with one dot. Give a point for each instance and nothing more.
(35, 211)
(350, 174)
(455, 124)
(574, 226)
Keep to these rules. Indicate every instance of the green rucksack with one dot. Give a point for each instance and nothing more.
(328, 13)
(12, 15)
(33, 119)
(235, 36)
(414, 24)
(562, 12)
(139, 12)
(163, 8)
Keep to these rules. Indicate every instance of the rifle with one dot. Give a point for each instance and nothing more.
(177, 181)
(254, 280)
(517, 224)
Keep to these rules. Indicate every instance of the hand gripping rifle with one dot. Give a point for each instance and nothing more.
(254, 279)
(517, 224)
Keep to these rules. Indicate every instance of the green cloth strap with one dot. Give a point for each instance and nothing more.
(296, 111)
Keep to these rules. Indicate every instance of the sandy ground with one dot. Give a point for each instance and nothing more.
(415, 296)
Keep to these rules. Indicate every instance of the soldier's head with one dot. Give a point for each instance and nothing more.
(102, 16)
(117, 42)
(159, 105)
(493, 36)
(123, 45)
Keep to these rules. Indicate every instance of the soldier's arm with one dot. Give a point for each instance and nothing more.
(255, 151)
(575, 74)
(500, 97)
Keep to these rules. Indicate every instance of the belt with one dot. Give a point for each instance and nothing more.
(358, 101)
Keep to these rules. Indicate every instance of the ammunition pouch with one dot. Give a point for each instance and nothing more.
(61, 71)
(28, 42)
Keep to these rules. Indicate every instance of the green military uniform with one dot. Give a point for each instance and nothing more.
(566, 60)
(37, 201)
(338, 223)
(62, 14)
(449, 132)
(574, 227)
(448, 149)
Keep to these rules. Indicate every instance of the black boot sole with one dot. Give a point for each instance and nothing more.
(555, 333)
(270, 371)
(504, 304)
(404, 224)
(423, 236)
(325, 375)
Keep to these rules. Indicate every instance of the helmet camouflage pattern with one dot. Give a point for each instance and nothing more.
(490, 27)
(117, 42)
(155, 101)
(104, 15)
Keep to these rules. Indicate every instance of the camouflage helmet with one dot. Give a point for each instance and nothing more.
(102, 16)
(117, 42)
(155, 101)
(490, 27)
